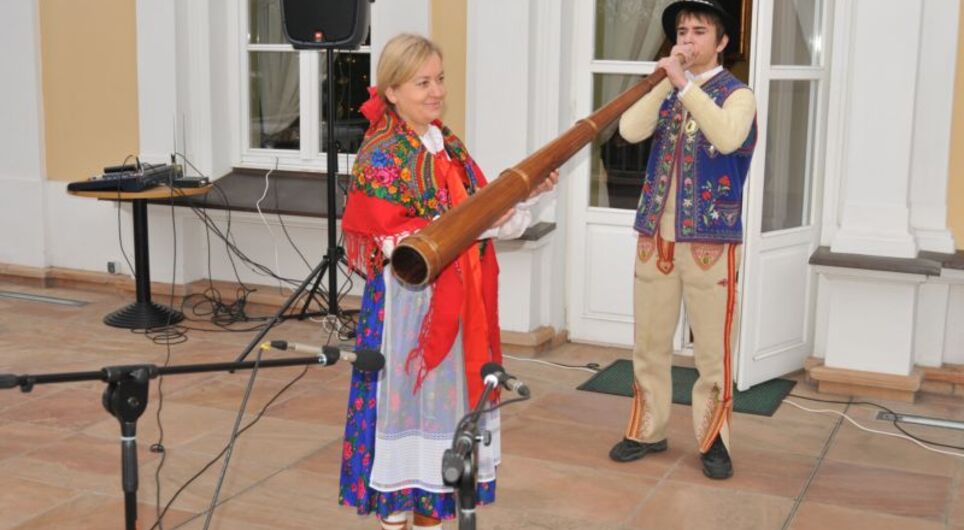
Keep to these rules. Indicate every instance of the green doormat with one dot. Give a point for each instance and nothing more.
(763, 399)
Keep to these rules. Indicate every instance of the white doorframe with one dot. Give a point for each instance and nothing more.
(778, 288)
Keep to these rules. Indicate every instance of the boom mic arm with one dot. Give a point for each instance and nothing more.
(364, 360)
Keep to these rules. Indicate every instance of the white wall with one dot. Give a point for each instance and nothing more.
(195, 84)
(886, 189)
(932, 125)
(22, 205)
(954, 338)
(390, 18)
(887, 171)
(875, 165)
(266, 245)
(513, 107)
(156, 79)
(83, 233)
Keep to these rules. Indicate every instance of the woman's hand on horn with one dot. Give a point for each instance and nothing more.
(504, 219)
(547, 185)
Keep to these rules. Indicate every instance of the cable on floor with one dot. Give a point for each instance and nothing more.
(874, 431)
(589, 367)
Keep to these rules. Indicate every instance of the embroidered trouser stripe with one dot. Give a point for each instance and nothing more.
(636, 415)
(723, 409)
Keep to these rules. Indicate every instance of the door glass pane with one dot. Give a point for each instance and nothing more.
(616, 173)
(629, 30)
(796, 32)
(274, 102)
(352, 71)
(788, 173)
(264, 22)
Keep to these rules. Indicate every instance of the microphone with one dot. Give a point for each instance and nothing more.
(364, 360)
(494, 374)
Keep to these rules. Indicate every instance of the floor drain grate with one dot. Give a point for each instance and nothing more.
(11, 295)
(921, 420)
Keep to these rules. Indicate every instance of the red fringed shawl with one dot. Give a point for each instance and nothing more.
(397, 188)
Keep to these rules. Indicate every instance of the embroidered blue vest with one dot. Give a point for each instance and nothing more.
(709, 185)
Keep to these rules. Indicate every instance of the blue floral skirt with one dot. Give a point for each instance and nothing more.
(358, 449)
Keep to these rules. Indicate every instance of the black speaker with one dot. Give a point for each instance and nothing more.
(335, 24)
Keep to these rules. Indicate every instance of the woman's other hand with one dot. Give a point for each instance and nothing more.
(547, 185)
(504, 219)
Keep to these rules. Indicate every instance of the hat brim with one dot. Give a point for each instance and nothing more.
(729, 23)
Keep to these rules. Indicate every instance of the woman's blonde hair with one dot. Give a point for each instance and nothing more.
(401, 58)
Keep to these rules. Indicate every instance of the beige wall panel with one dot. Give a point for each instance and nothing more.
(89, 85)
(449, 31)
(955, 191)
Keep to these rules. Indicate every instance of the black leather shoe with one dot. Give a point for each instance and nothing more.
(716, 461)
(628, 450)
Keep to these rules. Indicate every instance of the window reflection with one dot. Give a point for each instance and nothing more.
(617, 165)
(787, 177)
(796, 40)
(274, 100)
(351, 91)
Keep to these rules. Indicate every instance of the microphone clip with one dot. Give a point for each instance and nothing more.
(494, 374)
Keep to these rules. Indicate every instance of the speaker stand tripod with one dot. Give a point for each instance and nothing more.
(335, 254)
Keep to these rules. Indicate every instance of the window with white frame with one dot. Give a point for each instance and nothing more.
(795, 73)
(284, 96)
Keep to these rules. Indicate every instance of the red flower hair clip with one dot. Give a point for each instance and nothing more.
(375, 107)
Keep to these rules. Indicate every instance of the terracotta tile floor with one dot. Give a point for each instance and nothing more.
(59, 454)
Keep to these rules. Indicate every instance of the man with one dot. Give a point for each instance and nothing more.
(702, 120)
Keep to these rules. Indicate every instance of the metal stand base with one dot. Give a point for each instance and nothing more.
(143, 315)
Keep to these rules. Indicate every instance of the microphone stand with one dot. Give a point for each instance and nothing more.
(125, 398)
(460, 463)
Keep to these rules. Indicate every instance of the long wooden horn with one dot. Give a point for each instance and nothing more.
(419, 258)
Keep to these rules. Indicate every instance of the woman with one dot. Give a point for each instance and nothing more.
(410, 169)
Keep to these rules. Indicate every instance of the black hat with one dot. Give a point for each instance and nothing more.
(712, 6)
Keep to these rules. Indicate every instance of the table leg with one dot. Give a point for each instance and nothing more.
(142, 314)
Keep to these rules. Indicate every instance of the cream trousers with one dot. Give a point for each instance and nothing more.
(704, 277)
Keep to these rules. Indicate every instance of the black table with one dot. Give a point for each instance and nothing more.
(143, 313)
